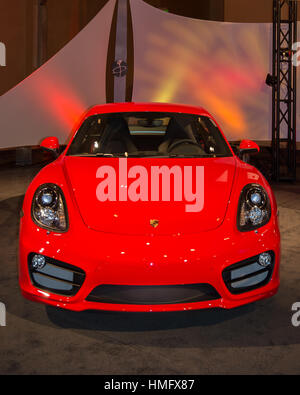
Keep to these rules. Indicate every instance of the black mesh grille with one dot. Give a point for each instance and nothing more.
(151, 295)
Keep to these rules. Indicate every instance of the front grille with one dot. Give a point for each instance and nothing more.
(56, 276)
(152, 295)
(247, 275)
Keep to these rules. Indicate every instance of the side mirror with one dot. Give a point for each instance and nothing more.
(246, 148)
(51, 144)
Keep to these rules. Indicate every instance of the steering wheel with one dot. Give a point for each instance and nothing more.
(183, 141)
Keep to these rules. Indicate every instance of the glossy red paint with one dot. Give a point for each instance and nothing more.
(50, 143)
(249, 145)
(133, 217)
(115, 244)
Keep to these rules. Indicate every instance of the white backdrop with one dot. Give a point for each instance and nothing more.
(50, 100)
(219, 66)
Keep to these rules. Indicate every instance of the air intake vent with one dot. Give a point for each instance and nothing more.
(152, 295)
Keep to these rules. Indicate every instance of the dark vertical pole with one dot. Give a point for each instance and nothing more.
(274, 145)
(42, 30)
(290, 88)
(278, 86)
(295, 6)
(284, 107)
(121, 51)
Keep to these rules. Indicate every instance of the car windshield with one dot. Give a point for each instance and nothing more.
(147, 134)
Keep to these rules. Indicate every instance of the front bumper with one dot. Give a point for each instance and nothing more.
(123, 260)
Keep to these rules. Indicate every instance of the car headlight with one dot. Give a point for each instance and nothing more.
(254, 208)
(49, 208)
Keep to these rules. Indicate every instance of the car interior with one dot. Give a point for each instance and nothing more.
(148, 134)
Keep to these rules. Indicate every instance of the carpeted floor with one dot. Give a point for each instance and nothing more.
(255, 339)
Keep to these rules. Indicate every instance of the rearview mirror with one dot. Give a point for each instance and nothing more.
(246, 148)
(150, 123)
(51, 144)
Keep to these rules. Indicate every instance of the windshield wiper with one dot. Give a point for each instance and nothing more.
(144, 155)
(187, 156)
(140, 155)
(100, 154)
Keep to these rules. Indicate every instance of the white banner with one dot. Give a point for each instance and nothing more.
(219, 66)
(50, 100)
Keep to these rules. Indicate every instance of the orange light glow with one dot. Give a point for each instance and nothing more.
(218, 66)
(59, 100)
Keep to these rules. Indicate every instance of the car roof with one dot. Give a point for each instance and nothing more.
(145, 107)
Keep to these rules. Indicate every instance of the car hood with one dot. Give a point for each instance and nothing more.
(161, 208)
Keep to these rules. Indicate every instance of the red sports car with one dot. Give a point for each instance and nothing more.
(148, 209)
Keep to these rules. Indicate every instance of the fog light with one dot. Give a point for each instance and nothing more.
(38, 261)
(265, 259)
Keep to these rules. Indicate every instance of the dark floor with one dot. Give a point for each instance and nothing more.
(255, 339)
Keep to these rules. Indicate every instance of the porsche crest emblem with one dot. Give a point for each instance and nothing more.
(154, 223)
